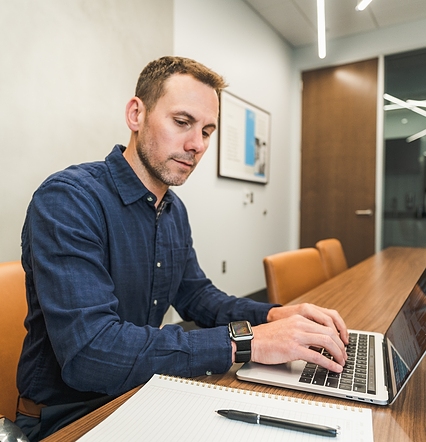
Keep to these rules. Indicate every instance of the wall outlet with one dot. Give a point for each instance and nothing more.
(248, 197)
(223, 266)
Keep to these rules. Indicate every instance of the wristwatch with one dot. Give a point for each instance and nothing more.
(241, 333)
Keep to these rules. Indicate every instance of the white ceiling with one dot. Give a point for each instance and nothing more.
(295, 20)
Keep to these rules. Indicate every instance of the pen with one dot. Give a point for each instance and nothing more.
(254, 418)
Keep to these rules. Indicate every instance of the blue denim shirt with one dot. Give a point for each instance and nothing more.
(102, 268)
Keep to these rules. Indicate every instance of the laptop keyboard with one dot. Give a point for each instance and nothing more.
(359, 372)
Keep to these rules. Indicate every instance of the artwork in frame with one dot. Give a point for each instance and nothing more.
(244, 140)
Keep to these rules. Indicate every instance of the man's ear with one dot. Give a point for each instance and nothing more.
(135, 113)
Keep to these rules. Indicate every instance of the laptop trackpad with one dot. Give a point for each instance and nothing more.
(282, 374)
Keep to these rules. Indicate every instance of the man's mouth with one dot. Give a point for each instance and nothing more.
(185, 162)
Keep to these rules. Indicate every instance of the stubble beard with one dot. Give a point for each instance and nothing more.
(161, 172)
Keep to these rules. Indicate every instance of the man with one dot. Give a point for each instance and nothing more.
(107, 248)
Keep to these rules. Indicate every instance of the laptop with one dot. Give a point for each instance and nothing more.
(378, 366)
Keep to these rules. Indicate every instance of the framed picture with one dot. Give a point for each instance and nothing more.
(244, 140)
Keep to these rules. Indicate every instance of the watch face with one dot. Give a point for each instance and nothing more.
(241, 329)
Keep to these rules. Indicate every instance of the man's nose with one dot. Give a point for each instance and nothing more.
(196, 142)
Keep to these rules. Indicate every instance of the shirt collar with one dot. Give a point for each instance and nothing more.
(129, 186)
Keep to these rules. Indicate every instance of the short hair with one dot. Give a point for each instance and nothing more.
(150, 86)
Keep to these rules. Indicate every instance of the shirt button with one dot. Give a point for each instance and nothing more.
(150, 199)
(158, 264)
(155, 302)
(208, 373)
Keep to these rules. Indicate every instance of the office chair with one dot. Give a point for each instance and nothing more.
(12, 331)
(290, 274)
(332, 256)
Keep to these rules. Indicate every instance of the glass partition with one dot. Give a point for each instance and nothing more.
(404, 195)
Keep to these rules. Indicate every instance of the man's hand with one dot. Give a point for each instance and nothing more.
(291, 330)
(324, 316)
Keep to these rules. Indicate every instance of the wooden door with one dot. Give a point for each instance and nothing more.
(339, 106)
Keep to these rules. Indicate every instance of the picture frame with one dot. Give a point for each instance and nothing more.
(244, 140)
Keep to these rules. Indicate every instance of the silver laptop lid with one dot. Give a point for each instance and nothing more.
(405, 339)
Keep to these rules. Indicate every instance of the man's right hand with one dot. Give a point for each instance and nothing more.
(289, 339)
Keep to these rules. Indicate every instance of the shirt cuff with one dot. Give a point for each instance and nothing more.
(211, 351)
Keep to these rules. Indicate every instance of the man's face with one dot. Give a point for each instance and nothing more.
(175, 135)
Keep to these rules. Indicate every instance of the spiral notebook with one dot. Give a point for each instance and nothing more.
(175, 409)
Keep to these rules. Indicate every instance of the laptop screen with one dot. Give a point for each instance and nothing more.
(406, 336)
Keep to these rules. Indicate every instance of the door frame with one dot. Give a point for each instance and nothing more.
(380, 152)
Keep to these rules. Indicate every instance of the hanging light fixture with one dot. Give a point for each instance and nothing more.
(321, 28)
(416, 136)
(362, 5)
(410, 105)
(404, 104)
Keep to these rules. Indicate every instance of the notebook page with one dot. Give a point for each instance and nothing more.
(174, 409)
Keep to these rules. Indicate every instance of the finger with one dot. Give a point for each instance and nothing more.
(320, 336)
(340, 325)
(318, 314)
(334, 348)
(309, 355)
(329, 318)
(340, 338)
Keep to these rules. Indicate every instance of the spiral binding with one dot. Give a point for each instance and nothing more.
(259, 393)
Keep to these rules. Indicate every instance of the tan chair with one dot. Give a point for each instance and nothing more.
(332, 256)
(290, 274)
(13, 309)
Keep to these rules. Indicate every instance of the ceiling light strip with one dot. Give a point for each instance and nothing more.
(418, 103)
(391, 107)
(403, 103)
(362, 5)
(321, 28)
(416, 136)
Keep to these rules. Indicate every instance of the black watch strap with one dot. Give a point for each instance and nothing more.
(243, 353)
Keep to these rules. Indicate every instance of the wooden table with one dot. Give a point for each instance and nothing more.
(367, 296)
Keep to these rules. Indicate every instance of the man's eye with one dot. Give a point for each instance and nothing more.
(206, 134)
(181, 123)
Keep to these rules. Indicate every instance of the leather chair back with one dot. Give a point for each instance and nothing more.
(292, 273)
(332, 256)
(13, 309)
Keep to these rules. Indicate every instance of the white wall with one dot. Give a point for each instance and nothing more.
(228, 37)
(67, 71)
